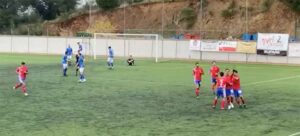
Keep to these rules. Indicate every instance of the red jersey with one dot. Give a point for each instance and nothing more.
(22, 71)
(228, 80)
(236, 83)
(214, 70)
(198, 72)
(221, 83)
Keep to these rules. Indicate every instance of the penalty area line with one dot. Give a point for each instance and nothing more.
(273, 80)
(295, 134)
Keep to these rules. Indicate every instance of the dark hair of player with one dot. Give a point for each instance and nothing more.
(109, 47)
(221, 74)
(213, 62)
(197, 63)
(22, 63)
(234, 71)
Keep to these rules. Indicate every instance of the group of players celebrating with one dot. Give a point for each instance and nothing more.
(225, 86)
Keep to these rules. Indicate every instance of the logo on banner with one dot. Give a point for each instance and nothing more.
(272, 41)
(209, 46)
(195, 45)
(227, 46)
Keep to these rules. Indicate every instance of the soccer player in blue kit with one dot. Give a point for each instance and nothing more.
(64, 63)
(81, 68)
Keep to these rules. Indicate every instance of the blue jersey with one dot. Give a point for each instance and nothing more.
(81, 62)
(110, 53)
(69, 51)
(64, 59)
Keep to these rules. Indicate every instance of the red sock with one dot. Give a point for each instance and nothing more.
(223, 104)
(18, 85)
(231, 99)
(197, 91)
(215, 102)
(24, 90)
(228, 100)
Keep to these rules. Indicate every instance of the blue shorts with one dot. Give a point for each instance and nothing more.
(220, 93)
(229, 92)
(213, 80)
(198, 82)
(237, 93)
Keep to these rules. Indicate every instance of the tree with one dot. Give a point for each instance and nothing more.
(8, 13)
(293, 4)
(46, 9)
(50, 9)
(15, 13)
(108, 4)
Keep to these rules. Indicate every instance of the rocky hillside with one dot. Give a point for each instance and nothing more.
(219, 19)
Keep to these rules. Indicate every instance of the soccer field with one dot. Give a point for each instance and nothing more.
(155, 99)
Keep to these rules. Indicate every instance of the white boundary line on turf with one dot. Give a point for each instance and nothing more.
(273, 80)
(295, 134)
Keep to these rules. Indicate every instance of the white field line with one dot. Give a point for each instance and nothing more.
(273, 80)
(295, 134)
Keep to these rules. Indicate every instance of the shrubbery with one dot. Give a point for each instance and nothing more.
(188, 17)
(230, 11)
(108, 4)
(293, 4)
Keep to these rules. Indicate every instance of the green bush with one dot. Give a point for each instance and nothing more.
(28, 29)
(108, 4)
(188, 17)
(230, 11)
(266, 5)
(83, 34)
(293, 4)
(227, 14)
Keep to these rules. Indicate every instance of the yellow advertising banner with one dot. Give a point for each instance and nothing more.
(246, 47)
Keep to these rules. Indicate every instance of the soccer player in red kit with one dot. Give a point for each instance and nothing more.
(197, 73)
(229, 89)
(220, 92)
(214, 71)
(22, 72)
(238, 94)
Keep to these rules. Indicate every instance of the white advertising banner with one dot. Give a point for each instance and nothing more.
(294, 50)
(272, 44)
(195, 45)
(210, 45)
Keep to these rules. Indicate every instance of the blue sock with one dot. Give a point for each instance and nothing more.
(65, 72)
